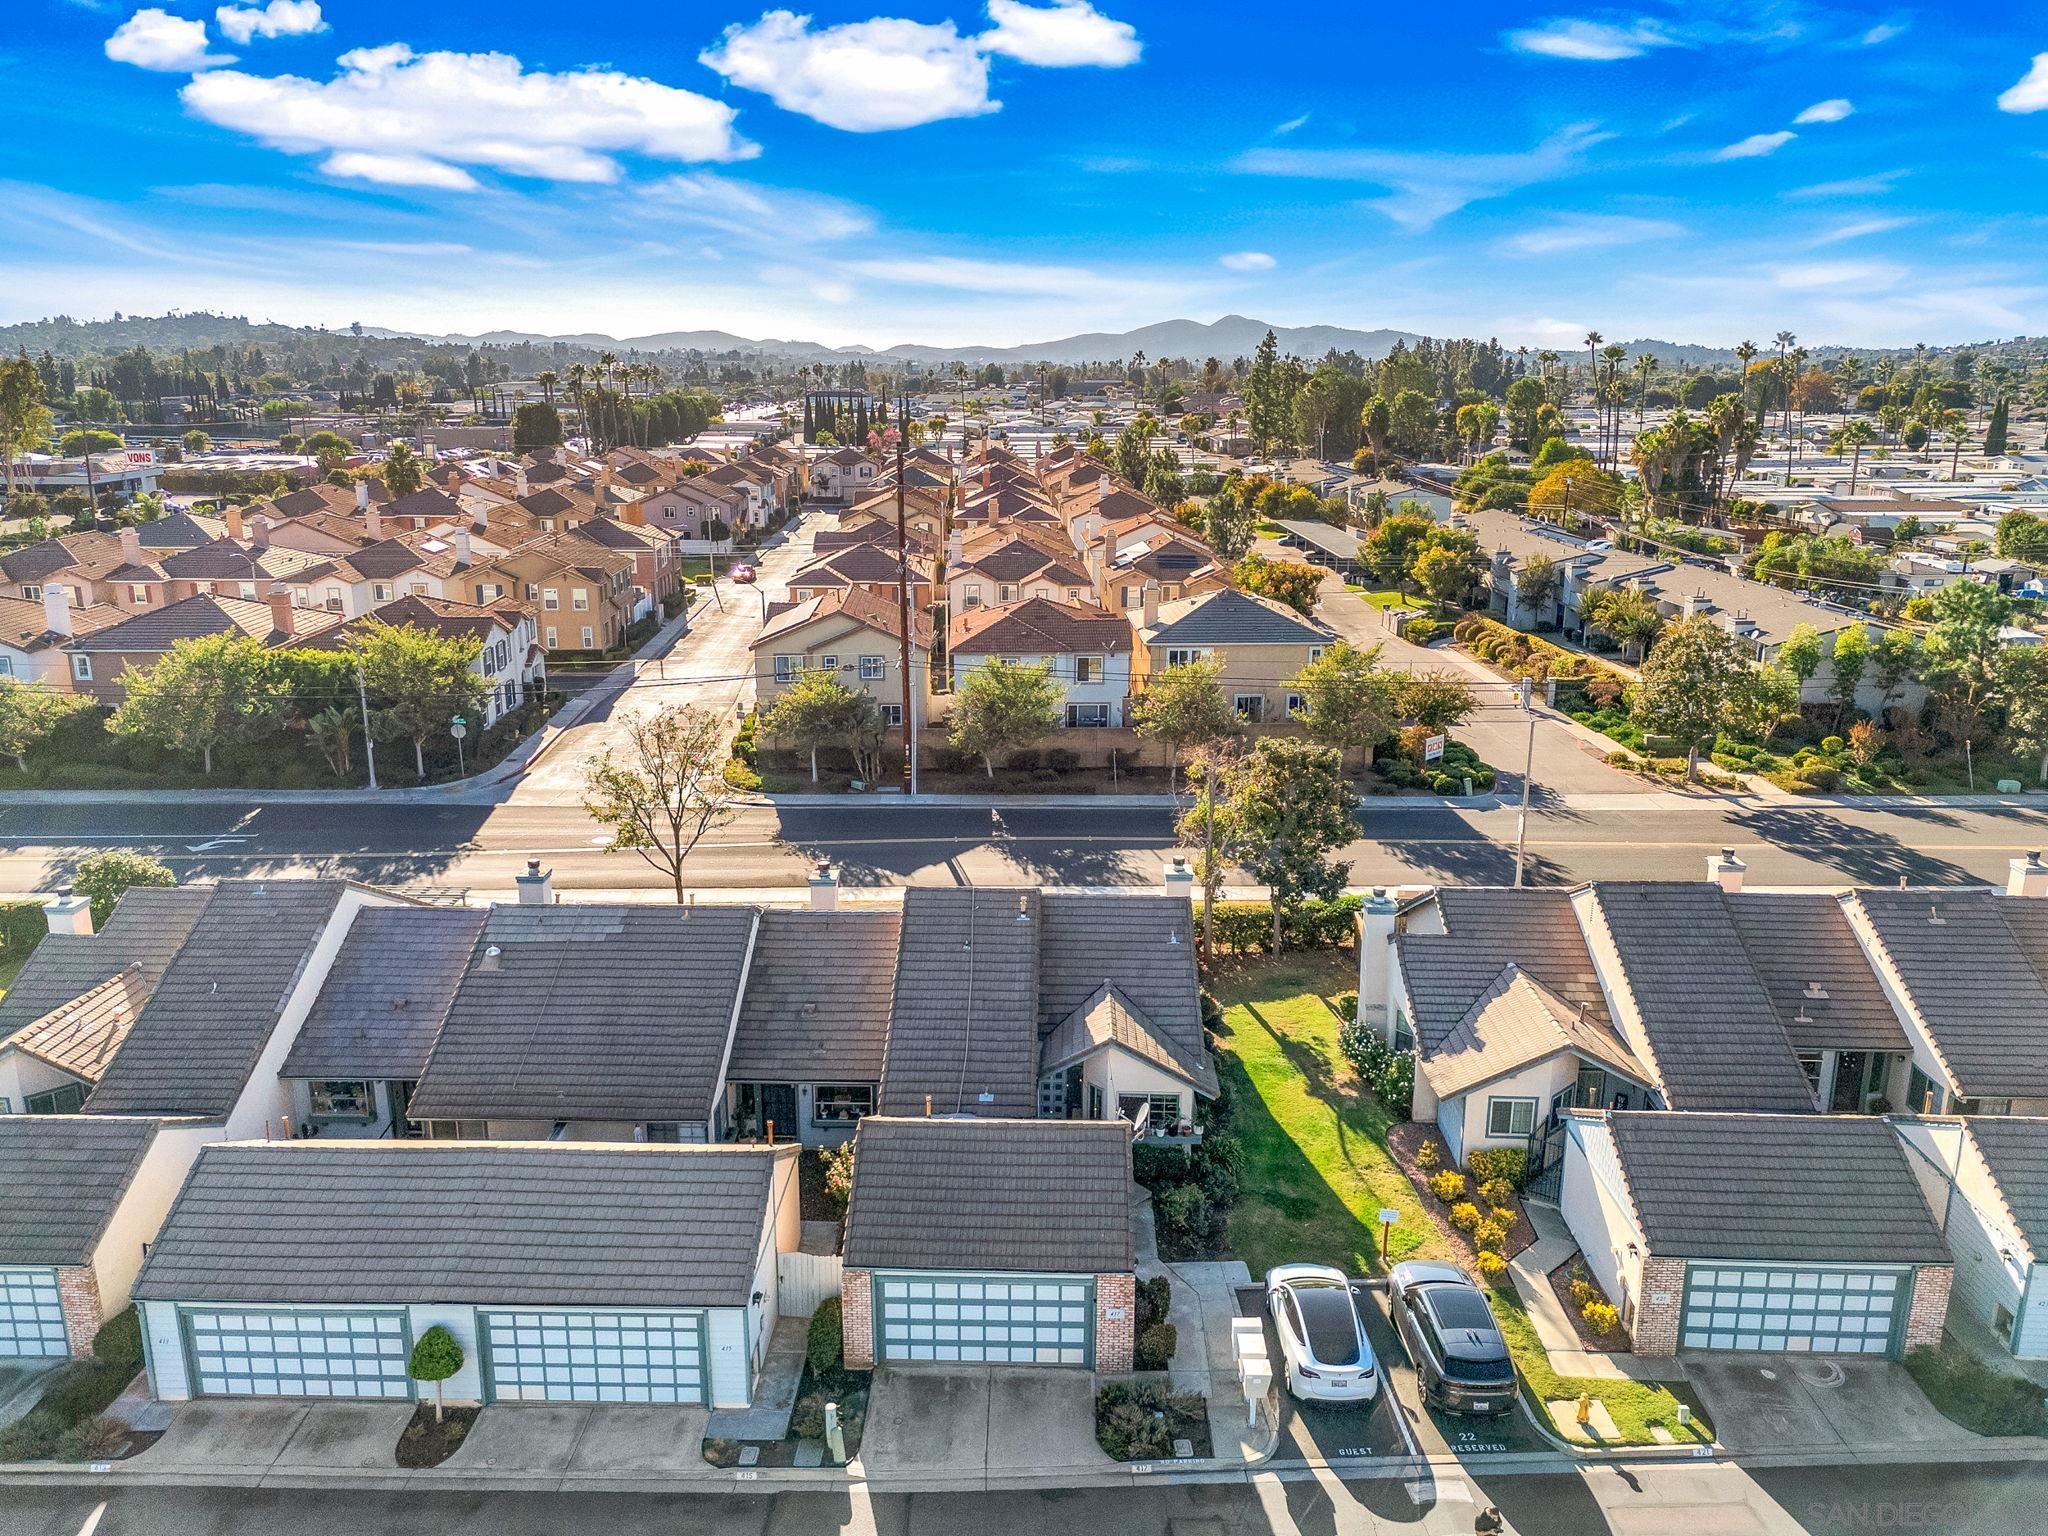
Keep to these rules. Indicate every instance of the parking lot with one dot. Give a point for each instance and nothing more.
(1395, 1423)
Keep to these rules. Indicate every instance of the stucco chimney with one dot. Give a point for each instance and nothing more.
(373, 524)
(281, 608)
(131, 545)
(536, 886)
(57, 610)
(1726, 870)
(69, 912)
(362, 495)
(463, 555)
(1178, 879)
(235, 528)
(2027, 876)
(1151, 609)
(1378, 915)
(825, 887)
(259, 532)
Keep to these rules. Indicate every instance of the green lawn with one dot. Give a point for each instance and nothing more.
(1393, 602)
(1317, 1169)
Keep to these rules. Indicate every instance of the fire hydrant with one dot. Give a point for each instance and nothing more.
(1585, 1407)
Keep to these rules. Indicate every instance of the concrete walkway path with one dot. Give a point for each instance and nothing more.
(1530, 1269)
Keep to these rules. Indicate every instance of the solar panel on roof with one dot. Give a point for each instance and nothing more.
(1178, 561)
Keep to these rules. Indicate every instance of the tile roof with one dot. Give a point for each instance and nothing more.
(1709, 1021)
(1974, 964)
(1025, 1196)
(1036, 626)
(421, 1221)
(1109, 1018)
(1518, 1022)
(861, 607)
(190, 618)
(197, 1039)
(1231, 617)
(64, 1176)
(1806, 1188)
(24, 624)
(1808, 958)
(818, 995)
(1143, 945)
(385, 997)
(80, 1037)
(1536, 931)
(615, 1013)
(964, 1022)
(2015, 1149)
(145, 931)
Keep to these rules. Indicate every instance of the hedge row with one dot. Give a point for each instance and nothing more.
(1526, 655)
(1246, 927)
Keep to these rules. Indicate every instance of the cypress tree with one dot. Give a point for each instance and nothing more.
(810, 431)
(1995, 429)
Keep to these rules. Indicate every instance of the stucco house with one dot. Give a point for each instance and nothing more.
(1986, 1178)
(1261, 645)
(1087, 648)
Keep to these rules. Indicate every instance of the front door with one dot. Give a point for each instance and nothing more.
(401, 1101)
(778, 1108)
(1851, 1067)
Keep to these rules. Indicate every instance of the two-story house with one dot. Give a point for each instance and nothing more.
(1087, 649)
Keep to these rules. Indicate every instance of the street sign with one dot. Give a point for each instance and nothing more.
(1433, 748)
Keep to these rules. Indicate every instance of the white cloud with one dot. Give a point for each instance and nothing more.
(864, 76)
(1060, 36)
(1590, 42)
(155, 39)
(1590, 232)
(2030, 93)
(1426, 187)
(1756, 145)
(407, 119)
(1874, 185)
(1833, 110)
(770, 215)
(1801, 277)
(1857, 229)
(1293, 123)
(1248, 261)
(886, 72)
(1883, 32)
(280, 18)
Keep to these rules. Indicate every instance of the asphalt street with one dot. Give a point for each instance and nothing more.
(1719, 1500)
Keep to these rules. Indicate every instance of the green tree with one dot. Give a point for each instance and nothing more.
(1630, 616)
(536, 425)
(1213, 825)
(24, 419)
(1349, 701)
(2023, 686)
(435, 1357)
(1851, 660)
(1760, 699)
(1268, 403)
(1002, 706)
(818, 711)
(1687, 683)
(1296, 813)
(1997, 429)
(196, 441)
(2023, 536)
(28, 715)
(669, 790)
(82, 440)
(1894, 663)
(1183, 707)
(1231, 516)
(1391, 549)
(1285, 581)
(418, 681)
(1448, 566)
(403, 472)
(1801, 653)
(207, 692)
(1959, 654)
(101, 878)
(330, 448)
(1436, 698)
(1538, 586)
(1854, 435)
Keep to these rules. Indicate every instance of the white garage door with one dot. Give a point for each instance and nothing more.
(992, 1319)
(31, 1315)
(241, 1353)
(1822, 1311)
(595, 1357)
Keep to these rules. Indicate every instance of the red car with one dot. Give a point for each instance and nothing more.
(743, 574)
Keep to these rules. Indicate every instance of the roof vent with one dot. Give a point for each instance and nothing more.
(1802, 1016)
(1815, 990)
(1023, 909)
(1934, 915)
(491, 952)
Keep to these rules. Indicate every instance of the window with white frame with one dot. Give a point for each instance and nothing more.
(1510, 1117)
(1181, 657)
(892, 714)
(1295, 704)
(31, 592)
(550, 598)
(342, 1101)
(873, 668)
(1315, 653)
(589, 638)
(380, 591)
(1162, 1112)
(551, 637)
(829, 663)
(81, 666)
(1250, 707)
(1087, 715)
(970, 595)
(787, 667)
(137, 592)
(580, 599)
(1087, 669)
(841, 1103)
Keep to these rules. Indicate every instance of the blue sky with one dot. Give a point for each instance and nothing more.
(1002, 171)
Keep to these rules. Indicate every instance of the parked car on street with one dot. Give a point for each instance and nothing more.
(1461, 1361)
(743, 574)
(1322, 1338)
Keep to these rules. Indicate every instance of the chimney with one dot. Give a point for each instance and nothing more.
(825, 887)
(1098, 575)
(1151, 603)
(131, 545)
(57, 611)
(362, 495)
(1726, 870)
(956, 547)
(69, 912)
(259, 532)
(536, 886)
(236, 531)
(462, 550)
(1378, 914)
(480, 519)
(373, 524)
(1179, 880)
(281, 608)
(2027, 877)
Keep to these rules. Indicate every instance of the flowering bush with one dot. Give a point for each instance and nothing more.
(1496, 1192)
(1448, 1185)
(1427, 1156)
(1601, 1316)
(1490, 1264)
(1489, 1234)
(1465, 1216)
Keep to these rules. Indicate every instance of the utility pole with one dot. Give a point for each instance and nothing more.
(369, 737)
(1528, 769)
(903, 597)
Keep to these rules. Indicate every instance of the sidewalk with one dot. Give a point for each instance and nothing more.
(1530, 1269)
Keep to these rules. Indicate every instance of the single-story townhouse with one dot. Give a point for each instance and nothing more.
(567, 1273)
(1032, 1264)
(1986, 1177)
(1772, 1233)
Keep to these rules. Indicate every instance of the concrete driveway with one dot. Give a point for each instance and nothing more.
(947, 1425)
(1763, 1403)
(210, 1436)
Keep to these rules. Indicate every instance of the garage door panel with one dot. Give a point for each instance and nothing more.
(242, 1353)
(595, 1357)
(985, 1319)
(31, 1315)
(1796, 1311)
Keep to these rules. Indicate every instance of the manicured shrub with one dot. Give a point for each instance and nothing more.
(1505, 1216)
(1465, 1216)
(1447, 1185)
(825, 1344)
(1062, 760)
(1427, 1156)
(1496, 1191)
(1601, 1316)
(1155, 1300)
(1490, 1234)
(1186, 1217)
(1583, 1291)
(1155, 1347)
(1510, 1163)
(1490, 1265)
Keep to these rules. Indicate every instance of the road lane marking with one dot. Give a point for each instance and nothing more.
(92, 1521)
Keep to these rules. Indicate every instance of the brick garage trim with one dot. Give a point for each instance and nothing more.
(1655, 1329)
(857, 1317)
(79, 1289)
(1115, 1336)
(1928, 1313)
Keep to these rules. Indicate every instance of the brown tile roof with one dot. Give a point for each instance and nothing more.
(876, 613)
(1037, 625)
(161, 628)
(24, 626)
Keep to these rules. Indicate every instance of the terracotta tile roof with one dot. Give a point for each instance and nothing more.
(1036, 626)
(24, 626)
(876, 613)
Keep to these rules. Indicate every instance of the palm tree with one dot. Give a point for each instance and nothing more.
(1614, 355)
(607, 370)
(547, 379)
(1958, 429)
(1852, 434)
(1593, 340)
(1644, 363)
(1783, 341)
(1745, 354)
(578, 375)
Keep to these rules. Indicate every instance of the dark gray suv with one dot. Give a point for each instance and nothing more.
(1449, 1332)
